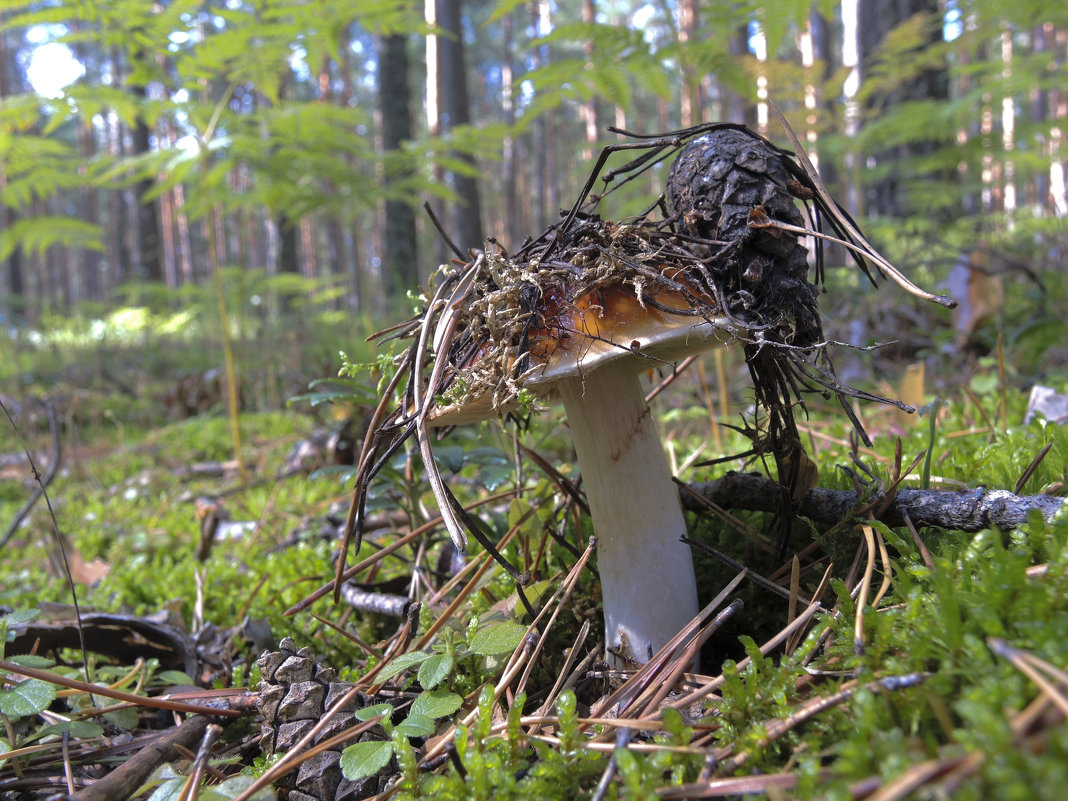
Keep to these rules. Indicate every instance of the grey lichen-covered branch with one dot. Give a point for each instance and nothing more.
(964, 510)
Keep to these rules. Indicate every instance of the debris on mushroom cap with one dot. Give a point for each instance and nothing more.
(616, 291)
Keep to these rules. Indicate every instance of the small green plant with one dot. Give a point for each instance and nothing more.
(435, 702)
(21, 698)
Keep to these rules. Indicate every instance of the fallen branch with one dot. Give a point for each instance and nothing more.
(967, 510)
(126, 779)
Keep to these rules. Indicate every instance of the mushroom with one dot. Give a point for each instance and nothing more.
(580, 311)
(589, 346)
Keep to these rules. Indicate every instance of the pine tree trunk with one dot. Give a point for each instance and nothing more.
(400, 258)
(12, 267)
(877, 18)
(288, 246)
(465, 223)
(588, 109)
(514, 225)
(690, 110)
(149, 242)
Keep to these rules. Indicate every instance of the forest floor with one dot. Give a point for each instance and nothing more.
(874, 661)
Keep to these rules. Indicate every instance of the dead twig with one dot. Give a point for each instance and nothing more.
(128, 777)
(968, 510)
(107, 692)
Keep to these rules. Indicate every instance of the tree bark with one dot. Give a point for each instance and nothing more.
(690, 111)
(877, 19)
(351, 244)
(288, 246)
(465, 223)
(514, 227)
(400, 258)
(588, 109)
(542, 184)
(149, 249)
(736, 107)
(968, 510)
(16, 285)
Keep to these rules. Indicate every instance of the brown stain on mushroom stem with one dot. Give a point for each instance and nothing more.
(624, 447)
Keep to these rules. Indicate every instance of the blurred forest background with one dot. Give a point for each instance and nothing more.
(275, 155)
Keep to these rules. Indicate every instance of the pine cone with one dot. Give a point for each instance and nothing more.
(295, 692)
(714, 185)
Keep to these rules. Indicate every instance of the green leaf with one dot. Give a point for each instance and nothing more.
(27, 698)
(361, 760)
(436, 704)
(18, 617)
(434, 671)
(80, 729)
(4, 748)
(84, 729)
(416, 726)
(500, 638)
(450, 458)
(401, 663)
(126, 718)
(493, 476)
(173, 678)
(374, 711)
(32, 661)
(38, 234)
(233, 787)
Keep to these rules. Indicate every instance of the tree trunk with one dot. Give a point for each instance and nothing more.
(465, 223)
(400, 257)
(542, 183)
(286, 225)
(736, 107)
(588, 109)
(514, 229)
(876, 19)
(16, 285)
(288, 245)
(119, 211)
(351, 243)
(690, 106)
(149, 242)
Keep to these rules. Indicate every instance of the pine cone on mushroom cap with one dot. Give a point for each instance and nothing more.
(714, 186)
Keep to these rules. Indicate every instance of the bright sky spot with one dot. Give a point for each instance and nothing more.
(298, 61)
(52, 68)
(188, 144)
(39, 34)
(953, 26)
(643, 15)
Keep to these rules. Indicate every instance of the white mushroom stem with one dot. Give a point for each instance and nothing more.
(647, 578)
